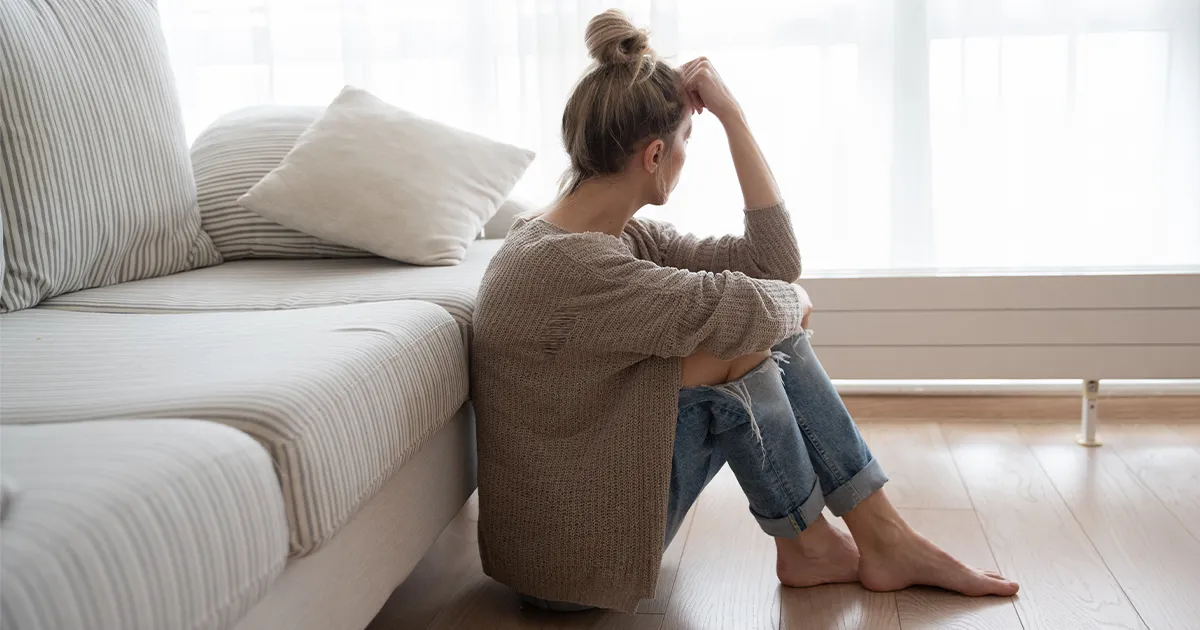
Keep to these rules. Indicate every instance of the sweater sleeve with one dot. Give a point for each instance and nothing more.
(626, 304)
(768, 248)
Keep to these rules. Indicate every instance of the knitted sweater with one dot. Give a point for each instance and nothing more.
(575, 375)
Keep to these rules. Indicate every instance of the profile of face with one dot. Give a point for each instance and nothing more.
(663, 164)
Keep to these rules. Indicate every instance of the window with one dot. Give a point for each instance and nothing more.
(912, 137)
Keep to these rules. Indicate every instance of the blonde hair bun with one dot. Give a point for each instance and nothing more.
(612, 39)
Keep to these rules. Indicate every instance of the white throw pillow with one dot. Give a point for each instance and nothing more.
(232, 155)
(372, 176)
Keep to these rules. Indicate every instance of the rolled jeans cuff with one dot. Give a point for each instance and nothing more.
(862, 485)
(795, 521)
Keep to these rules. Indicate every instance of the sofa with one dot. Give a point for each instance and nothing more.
(257, 443)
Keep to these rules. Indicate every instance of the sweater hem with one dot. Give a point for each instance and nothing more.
(584, 597)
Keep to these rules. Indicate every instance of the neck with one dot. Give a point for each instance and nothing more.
(599, 205)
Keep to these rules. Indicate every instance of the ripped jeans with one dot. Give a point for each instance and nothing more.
(787, 437)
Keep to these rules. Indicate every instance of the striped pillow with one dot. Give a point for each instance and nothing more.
(229, 158)
(96, 186)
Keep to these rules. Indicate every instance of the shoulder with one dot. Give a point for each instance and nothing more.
(648, 239)
(649, 228)
(536, 245)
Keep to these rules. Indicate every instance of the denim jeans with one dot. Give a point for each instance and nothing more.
(785, 434)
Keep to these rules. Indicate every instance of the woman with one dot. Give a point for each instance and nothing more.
(618, 365)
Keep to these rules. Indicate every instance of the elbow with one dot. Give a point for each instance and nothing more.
(790, 270)
(784, 268)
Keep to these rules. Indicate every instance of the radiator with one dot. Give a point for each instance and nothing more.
(1091, 327)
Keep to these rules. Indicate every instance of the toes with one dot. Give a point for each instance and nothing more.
(979, 583)
(1006, 588)
(1003, 585)
(997, 585)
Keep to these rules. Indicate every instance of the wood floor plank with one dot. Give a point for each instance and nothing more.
(837, 606)
(726, 577)
(1190, 433)
(1033, 536)
(1151, 554)
(1165, 463)
(449, 591)
(958, 532)
(485, 603)
(918, 463)
(669, 570)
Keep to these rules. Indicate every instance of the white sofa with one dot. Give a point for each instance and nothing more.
(349, 375)
(257, 444)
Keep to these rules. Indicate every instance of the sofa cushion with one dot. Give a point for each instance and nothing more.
(239, 149)
(376, 177)
(96, 186)
(143, 524)
(340, 396)
(254, 285)
(232, 155)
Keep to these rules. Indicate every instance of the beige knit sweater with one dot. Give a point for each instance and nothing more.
(575, 378)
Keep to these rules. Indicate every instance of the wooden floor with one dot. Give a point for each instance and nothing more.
(1098, 538)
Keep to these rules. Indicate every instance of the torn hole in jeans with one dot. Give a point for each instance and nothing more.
(738, 391)
(805, 334)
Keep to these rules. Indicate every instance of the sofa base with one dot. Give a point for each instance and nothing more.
(345, 582)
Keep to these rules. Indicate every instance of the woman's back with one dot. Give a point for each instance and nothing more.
(566, 434)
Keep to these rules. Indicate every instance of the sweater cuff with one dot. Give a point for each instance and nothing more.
(770, 220)
(779, 207)
(770, 231)
(791, 309)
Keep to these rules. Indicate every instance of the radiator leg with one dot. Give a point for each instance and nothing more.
(1087, 434)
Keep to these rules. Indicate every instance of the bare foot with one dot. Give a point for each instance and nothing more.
(821, 554)
(909, 559)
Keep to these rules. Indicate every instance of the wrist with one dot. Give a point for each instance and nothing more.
(734, 121)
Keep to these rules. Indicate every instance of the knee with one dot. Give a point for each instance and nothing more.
(703, 368)
(742, 365)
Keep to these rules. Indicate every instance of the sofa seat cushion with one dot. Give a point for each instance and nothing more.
(257, 285)
(137, 524)
(340, 396)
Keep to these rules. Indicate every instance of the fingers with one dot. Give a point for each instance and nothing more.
(690, 74)
(693, 92)
(694, 102)
(695, 68)
(691, 84)
(697, 74)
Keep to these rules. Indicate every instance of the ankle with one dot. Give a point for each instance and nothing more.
(876, 524)
(815, 541)
(881, 534)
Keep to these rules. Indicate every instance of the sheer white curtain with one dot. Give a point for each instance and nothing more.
(938, 136)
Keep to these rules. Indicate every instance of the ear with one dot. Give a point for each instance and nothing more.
(653, 154)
